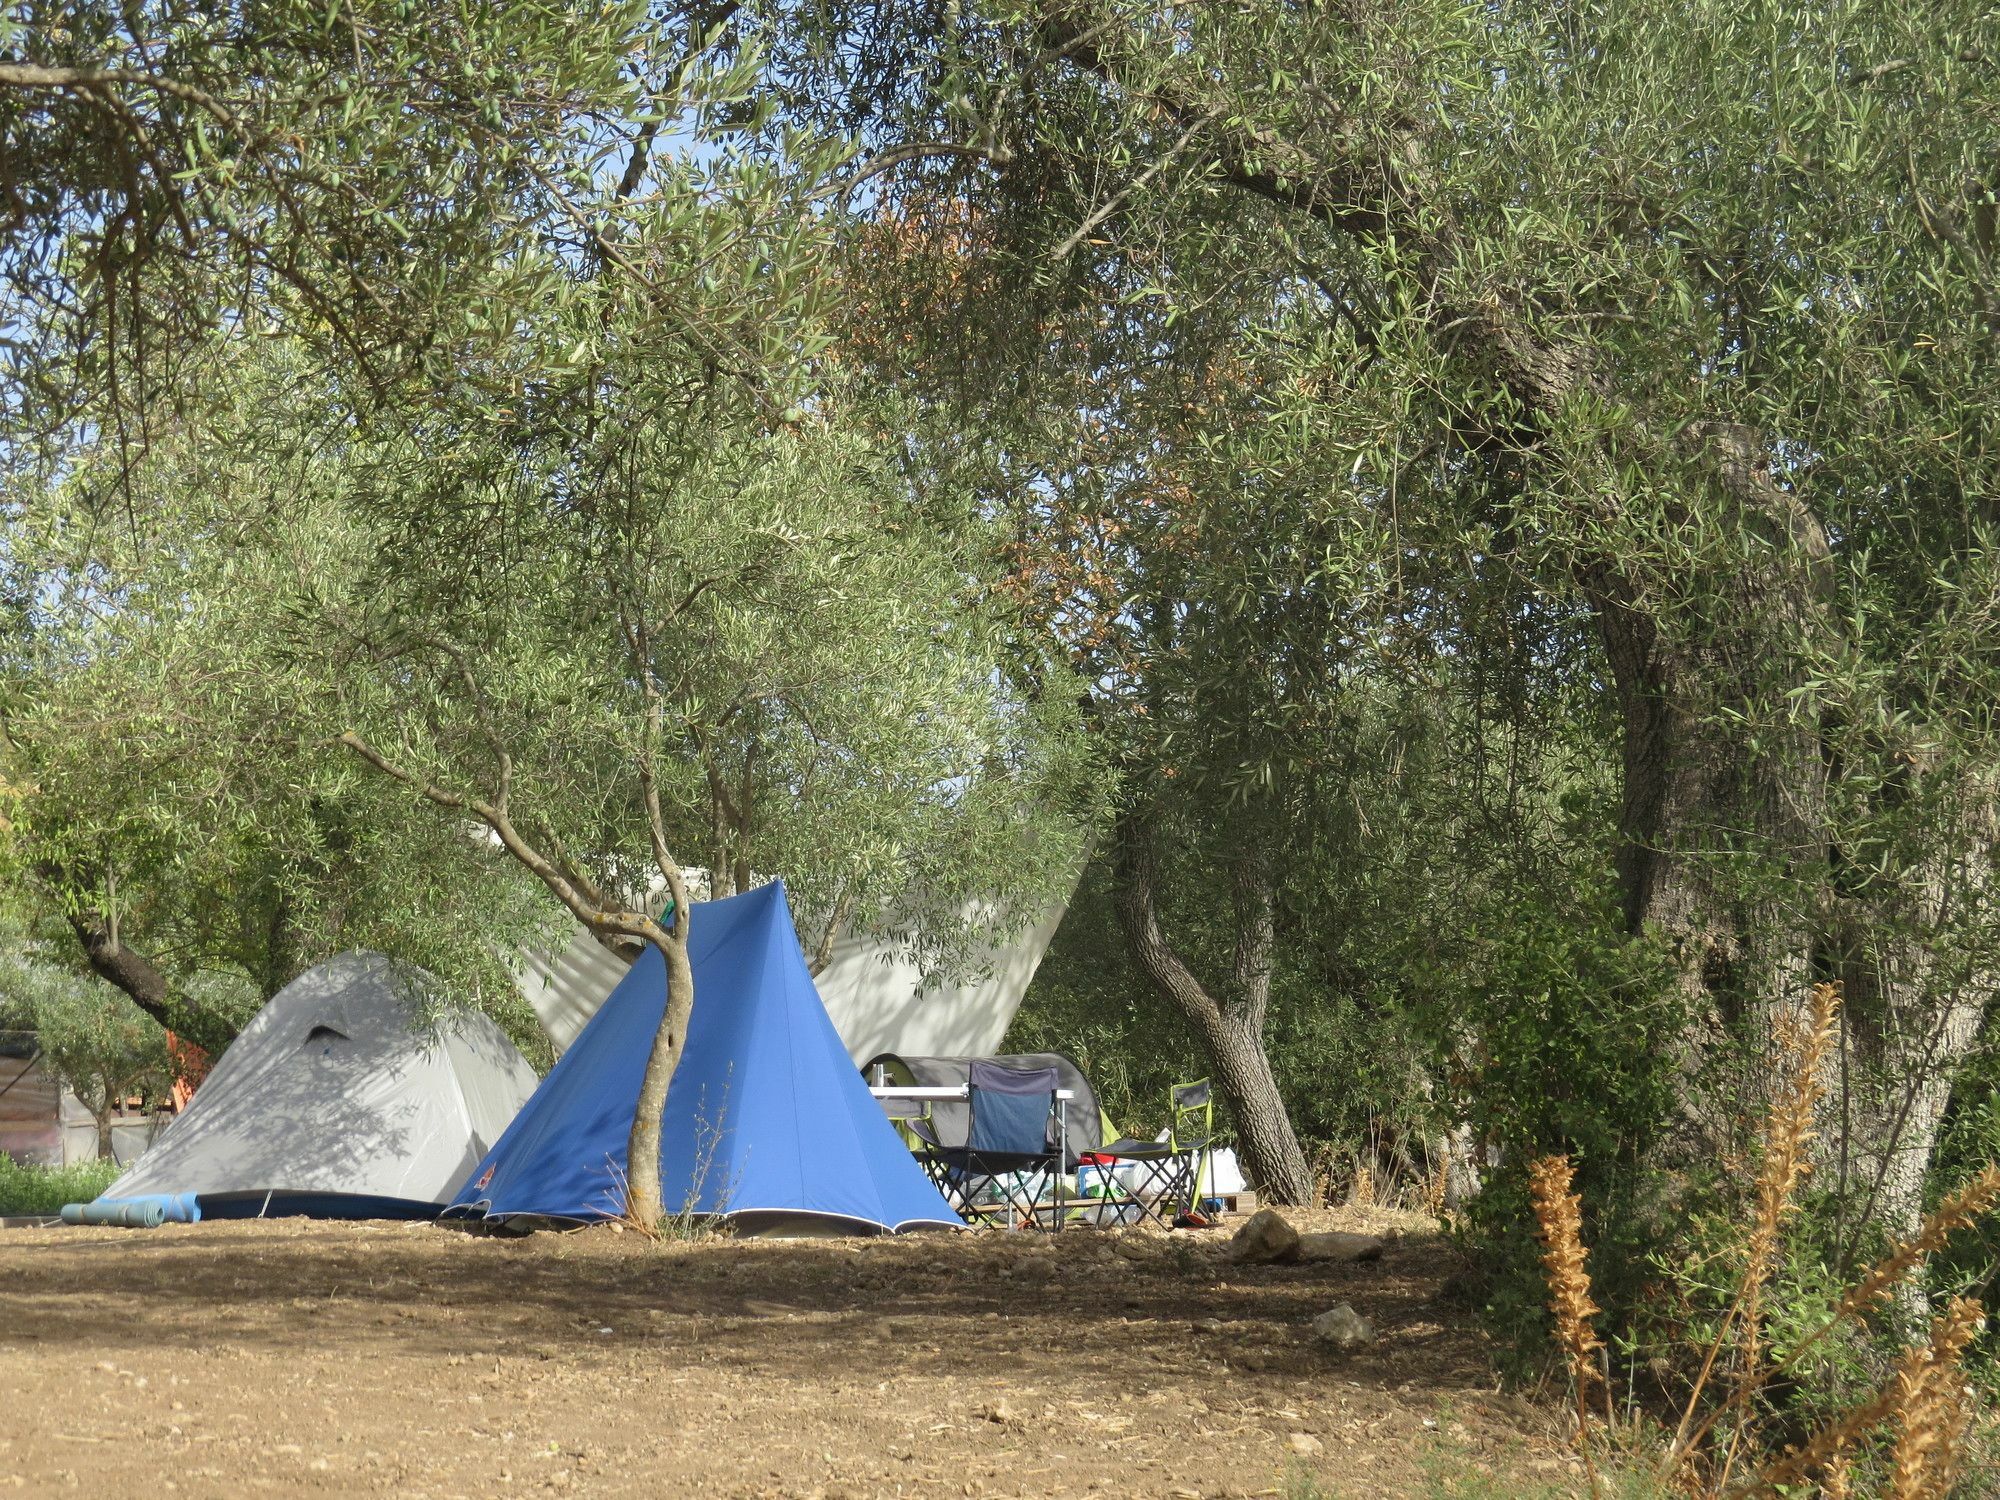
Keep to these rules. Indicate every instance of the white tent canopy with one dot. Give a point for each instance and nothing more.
(875, 995)
(333, 1092)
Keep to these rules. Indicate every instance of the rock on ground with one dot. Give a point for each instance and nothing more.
(1266, 1238)
(1343, 1327)
(1339, 1246)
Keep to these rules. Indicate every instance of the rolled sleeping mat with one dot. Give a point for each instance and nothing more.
(135, 1213)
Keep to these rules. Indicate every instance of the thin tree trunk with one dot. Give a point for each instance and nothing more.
(1232, 1030)
(1918, 978)
(586, 904)
(642, 1146)
(746, 799)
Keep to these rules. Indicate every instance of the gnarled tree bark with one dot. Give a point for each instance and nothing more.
(126, 969)
(1698, 788)
(1231, 1027)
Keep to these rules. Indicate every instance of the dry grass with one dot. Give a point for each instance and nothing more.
(1925, 1400)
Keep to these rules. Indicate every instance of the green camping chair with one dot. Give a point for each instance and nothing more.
(1170, 1173)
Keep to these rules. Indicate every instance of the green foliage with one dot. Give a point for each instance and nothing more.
(1346, 1066)
(171, 756)
(1515, 486)
(1622, 377)
(359, 180)
(93, 1040)
(44, 1190)
(1970, 1266)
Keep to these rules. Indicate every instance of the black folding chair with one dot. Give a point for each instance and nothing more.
(1166, 1177)
(1013, 1144)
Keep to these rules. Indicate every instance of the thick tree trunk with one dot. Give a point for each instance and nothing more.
(1723, 830)
(1232, 1030)
(118, 965)
(140, 979)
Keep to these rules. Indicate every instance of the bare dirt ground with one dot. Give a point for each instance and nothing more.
(294, 1356)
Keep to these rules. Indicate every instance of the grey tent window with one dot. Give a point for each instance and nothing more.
(324, 1034)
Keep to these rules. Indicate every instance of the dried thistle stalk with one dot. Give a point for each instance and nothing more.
(1800, 1044)
(1931, 1411)
(1951, 1332)
(1972, 1202)
(1559, 1215)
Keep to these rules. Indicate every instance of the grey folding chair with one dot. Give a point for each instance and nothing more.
(1013, 1142)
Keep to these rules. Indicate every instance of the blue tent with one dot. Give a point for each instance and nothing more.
(767, 1120)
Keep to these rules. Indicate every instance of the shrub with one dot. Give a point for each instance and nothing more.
(44, 1190)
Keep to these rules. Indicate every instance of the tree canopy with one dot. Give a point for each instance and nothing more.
(1479, 519)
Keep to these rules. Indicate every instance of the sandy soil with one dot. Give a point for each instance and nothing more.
(220, 1359)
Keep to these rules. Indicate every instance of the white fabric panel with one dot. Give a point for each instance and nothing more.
(330, 1088)
(879, 1004)
(31, 1129)
(493, 1078)
(874, 995)
(565, 989)
(42, 1124)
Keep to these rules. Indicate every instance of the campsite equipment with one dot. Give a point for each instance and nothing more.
(766, 1125)
(1015, 1145)
(136, 1213)
(333, 1103)
(1084, 1124)
(1169, 1173)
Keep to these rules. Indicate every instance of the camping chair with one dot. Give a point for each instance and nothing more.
(1170, 1173)
(912, 1119)
(1013, 1142)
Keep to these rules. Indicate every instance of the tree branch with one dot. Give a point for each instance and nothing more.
(601, 920)
(100, 81)
(895, 156)
(1110, 206)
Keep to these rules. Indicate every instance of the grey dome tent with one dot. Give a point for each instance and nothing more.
(1082, 1117)
(333, 1102)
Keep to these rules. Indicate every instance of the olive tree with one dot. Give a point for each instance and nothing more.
(1689, 308)
(179, 823)
(353, 179)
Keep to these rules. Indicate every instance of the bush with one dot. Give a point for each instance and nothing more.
(44, 1190)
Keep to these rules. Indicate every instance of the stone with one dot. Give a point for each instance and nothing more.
(1343, 1328)
(1340, 1247)
(1266, 1238)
